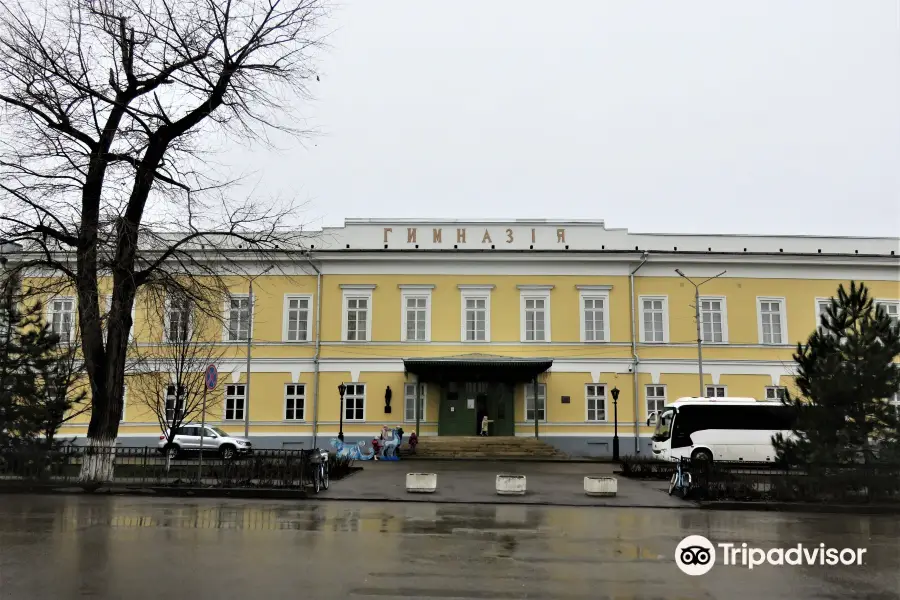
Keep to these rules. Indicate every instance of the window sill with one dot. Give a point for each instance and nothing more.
(594, 341)
(283, 341)
(415, 341)
(294, 421)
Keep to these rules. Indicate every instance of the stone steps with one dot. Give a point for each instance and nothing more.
(485, 447)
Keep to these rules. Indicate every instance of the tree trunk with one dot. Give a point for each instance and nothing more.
(98, 462)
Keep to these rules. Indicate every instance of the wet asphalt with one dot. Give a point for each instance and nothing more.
(65, 547)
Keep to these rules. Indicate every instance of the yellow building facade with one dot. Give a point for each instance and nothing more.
(477, 313)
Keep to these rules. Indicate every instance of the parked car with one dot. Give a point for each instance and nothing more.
(187, 439)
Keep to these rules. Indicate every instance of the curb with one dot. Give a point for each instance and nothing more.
(501, 500)
(802, 507)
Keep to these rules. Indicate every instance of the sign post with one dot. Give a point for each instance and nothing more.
(211, 378)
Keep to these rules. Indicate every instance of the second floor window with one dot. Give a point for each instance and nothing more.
(535, 319)
(594, 318)
(238, 318)
(891, 308)
(475, 319)
(653, 319)
(62, 318)
(712, 320)
(179, 319)
(297, 318)
(771, 317)
(357, 319)
(416, 309)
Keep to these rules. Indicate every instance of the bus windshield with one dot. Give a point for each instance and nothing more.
(664, 425)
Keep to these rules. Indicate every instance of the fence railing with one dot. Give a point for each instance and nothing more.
(146, 467)
(835, 483)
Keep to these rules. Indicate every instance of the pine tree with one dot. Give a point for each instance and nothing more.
(847, 374)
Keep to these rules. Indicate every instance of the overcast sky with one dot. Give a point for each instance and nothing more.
(692, 116)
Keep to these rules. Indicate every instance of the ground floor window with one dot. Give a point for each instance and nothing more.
(595, 398)
(355, 402)
(656, 398)
(775, 393)
(715, 391)
(294, 401)
(409, 402)
(235, 401)
(541, 402)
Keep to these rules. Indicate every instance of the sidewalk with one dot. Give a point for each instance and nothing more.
(560, 484)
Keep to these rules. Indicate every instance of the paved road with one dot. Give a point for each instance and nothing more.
(136, 548)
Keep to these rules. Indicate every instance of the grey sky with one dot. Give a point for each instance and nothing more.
(690, 116)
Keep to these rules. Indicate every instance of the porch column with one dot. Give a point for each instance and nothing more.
(534, 386)
(418, 417)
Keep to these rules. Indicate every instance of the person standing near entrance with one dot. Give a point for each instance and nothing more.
(484, 425)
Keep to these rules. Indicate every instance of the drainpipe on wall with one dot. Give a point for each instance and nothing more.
(634, 358)
(315, 426)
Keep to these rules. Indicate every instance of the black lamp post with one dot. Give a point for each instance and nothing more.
(615, 395)
(341, 389)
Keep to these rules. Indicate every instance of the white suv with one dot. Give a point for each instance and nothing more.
(187, 439)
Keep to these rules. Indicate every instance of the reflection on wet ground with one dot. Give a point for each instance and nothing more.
(127, 547)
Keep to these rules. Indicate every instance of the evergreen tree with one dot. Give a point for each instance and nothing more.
(846, 373)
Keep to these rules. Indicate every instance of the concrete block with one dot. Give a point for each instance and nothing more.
(510, 485)
(421, 482)
(600, 486)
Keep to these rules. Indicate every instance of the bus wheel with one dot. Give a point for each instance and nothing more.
(702, 455)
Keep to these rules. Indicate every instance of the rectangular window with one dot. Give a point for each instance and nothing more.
(355, 402)
(62, 318)
(409, 402)
(822, 305)
(656, 398)
(238, 318)
(595, 398)
(771, 321)
(235, 401)
(357, 319)
(296, 318)
(594, 318)
(294, 401)
(891, 308)
(653, 320)
(174, 403)
(178, 317)
(775, 393)
(715, 391)
(541, 402)
(535, 317)
(416, 309)
(712, 320)
(476, 319)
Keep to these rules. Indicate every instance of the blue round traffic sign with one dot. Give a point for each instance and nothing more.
(212, 377)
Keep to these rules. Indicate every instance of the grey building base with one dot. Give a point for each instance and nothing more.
(587, 446)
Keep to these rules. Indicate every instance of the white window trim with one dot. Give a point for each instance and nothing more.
(773, 387)
(225, 402)
(358, 290)
(124, 402)
(175, 408)
(166, 321)
(467, 291)
(535, 292)
(605, 403)
(415, 291)
(284, 405)
(525, 398)
(885, 303)
(49, 314)
(643, 333)
(309, 318)
(724, 318)
(365, 398)
(594, 291)
(816, 310)
(782, 314)
(424, 402)
(715, 385)
(665, 397)
(226, 308)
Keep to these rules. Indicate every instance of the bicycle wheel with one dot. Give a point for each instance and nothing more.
(325, 476)
(672, 483)
(317, 483)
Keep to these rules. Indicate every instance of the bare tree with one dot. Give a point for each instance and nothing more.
(168, 380)
(107, 106)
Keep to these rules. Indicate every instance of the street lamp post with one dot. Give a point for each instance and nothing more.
(702, 393)
(615, 395)
(249, 351)
(341, 389)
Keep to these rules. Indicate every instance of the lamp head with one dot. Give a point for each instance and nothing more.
(341, 389)
(615, 393)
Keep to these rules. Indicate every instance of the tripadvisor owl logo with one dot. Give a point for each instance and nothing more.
(696, 555)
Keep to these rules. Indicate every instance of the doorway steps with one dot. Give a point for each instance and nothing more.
(507, 447)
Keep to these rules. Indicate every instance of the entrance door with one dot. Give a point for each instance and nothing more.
(455, 416)
(500, 409)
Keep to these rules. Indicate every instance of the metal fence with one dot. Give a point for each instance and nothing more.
(146, 467)
(834, 483)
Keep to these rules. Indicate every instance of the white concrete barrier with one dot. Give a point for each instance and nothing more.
(510, 485)
(600, 486)
(421, 482)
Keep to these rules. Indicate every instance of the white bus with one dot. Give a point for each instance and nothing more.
(732, 429)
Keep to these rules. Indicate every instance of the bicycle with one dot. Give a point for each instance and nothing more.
(320, 470)
(680, 485)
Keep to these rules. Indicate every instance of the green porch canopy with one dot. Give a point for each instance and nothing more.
(477, 368)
